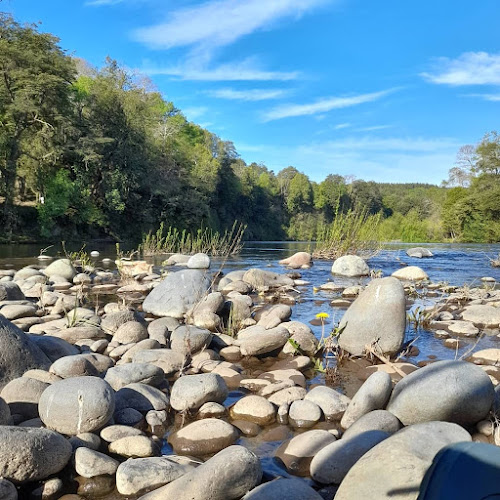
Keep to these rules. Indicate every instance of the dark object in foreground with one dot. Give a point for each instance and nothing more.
(469, 471)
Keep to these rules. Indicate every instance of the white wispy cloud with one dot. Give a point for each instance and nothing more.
(217, 23)
(322, 105)
(373, 128)
(486, 97)
(96, 3)
(470, 68)
(194, 112)
(248, 95)
(246, 70)
(340, 126)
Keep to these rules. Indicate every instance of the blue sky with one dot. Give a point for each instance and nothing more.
(384, 90)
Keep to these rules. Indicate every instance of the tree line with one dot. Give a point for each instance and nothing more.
(98, 152)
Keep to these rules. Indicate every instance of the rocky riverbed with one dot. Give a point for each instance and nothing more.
(195, 384)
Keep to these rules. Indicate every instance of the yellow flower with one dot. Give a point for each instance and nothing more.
(322, 315)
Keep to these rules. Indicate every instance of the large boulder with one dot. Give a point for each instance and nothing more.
(61, 267)
(396, 466)
(227, 476)
(28, 454)
(450, 391)
(419, 252)
(76, 405)
(378, 314)
(410, 273)
(350, 266)
(177, 293)
(10, 291)
(192, 391)
(297, 260)
(18, 353)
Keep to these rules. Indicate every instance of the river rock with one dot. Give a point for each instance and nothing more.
(166, 359)
(161, 328)
(228, 475)
(7, 490)
(289, 488)
(137, 476)
(19, 353)
(255, 409)
(85, 440)
(189, 339)
(61, 267)
(22, 395)
(5, 416)
(419, 252)
(203, 437)
(489, 356)
(482, 315)
(130, 332)
(376, 420)
(177, 293)
(10, 291)
(143, 345)
(297, 260)
(54, 347)
(332, 403)
(112, 321)
(177, 259)
(304, 414)
(90, 463)
(287, 396)
(270, 317)
(297, 453)
(332, 463)
(378, 314)
(77, 333)
(350, 266)
(205, 313)
(141, 397)
(303, 336)
(410, 273)
(260, 278)
(256, 340)
(120, 376)
(29, 454)
(73, 366)
(116, 432)
(134, 447)
(372, 395)
(76, 405)
(191, 391)
(16, 311)
(449, 391)
(396, 466)
(198, 261)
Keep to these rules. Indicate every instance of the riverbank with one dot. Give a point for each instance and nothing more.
(131, 371)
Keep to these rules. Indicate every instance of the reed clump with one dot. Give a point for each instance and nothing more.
(350, 233)
(204, 240)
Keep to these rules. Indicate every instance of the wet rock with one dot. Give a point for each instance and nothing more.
(298, 260)
(399, 463)
(419, 252)
(406, 368)
(177, 293)
(191, 391)
(203, 437)
(227, 476)
(94, 487)
(76, 405)
(189, 339)
(350, 266)
(90, 463)
(332, 463)
(137, 476)
(378, 314)
(289, 488)
(376, 420)
(130, 332)
(28, 454)
(332, 403)
(211, 410)
(297, 453)
(134, 447)
(255, 409)
(142, 398)
(372, 395)
(120, 376)
(410, 273)
(19, 353)
(61, 267)
(449, 391)
(304, 414)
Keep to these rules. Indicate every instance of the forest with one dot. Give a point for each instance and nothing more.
(99, 153)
